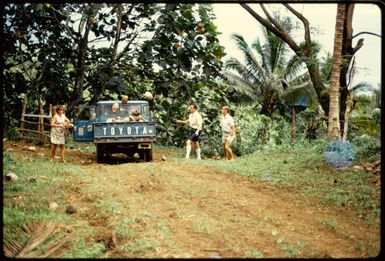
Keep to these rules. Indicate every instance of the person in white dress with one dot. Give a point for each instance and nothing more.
(59, 123)
(196, 122)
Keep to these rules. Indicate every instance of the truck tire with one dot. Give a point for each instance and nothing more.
(148, 155)
(99, 154)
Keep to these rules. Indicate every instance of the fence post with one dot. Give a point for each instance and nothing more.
(41, 122)
(50, 111)
(293, 123)
(22, 115)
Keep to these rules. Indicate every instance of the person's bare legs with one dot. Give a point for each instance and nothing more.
(228, 149)
(188, 148)
(197, 149)
(62, 153)
(224, 151)
(53, 150)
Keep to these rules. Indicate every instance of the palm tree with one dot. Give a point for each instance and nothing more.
(334, 110)
(266, 74)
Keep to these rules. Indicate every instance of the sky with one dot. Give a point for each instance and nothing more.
(232, 18)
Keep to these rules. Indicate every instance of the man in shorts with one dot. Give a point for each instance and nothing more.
(195, 121)
(228, 132)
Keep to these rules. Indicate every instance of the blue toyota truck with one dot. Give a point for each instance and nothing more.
(116, 128)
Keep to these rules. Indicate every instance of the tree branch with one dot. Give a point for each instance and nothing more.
(271, 19)
(118, 30)
(359, 45)
(366, 33)
(283, 35)
(305, 24)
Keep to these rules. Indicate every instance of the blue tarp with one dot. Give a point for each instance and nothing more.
(340, 154)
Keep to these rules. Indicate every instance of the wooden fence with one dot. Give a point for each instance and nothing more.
(35, 127)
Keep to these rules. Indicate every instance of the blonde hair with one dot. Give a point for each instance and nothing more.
(227, 108)
(124, 99)
(115, 107)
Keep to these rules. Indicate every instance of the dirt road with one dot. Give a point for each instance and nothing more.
(173, 209)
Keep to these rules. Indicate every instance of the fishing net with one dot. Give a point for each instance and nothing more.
(340, 154)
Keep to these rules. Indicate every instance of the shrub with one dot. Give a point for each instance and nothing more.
(367, 147)
(309, 124)
(257, 130)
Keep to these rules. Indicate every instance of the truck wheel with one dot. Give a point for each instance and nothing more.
(99, 154)
(148, 155)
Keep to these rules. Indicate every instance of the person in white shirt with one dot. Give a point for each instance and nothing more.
(228, 132)
(195, 121)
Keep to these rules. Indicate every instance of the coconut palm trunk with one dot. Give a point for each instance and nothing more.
(334, 109)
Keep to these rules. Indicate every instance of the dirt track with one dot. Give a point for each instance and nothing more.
(174, 209)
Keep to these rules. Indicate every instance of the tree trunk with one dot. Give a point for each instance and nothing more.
(293, 123)
(334, 105)
(118, 30)
(348, 54)
(318, 84)
(77, 93)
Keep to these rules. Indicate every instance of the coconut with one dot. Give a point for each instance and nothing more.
(148, 95)
(11, 177)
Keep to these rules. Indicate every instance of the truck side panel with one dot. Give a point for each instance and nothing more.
(83, 130)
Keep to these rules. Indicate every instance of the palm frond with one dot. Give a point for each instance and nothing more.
(38, 240)
(299, 79)
(251, 61)
(242, 70)
(362, 87)
(240, 85)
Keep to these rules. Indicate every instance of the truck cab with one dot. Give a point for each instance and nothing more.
(116, 128)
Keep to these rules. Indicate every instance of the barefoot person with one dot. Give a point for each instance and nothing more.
(59, 123)
(228, 132)
(195, 121)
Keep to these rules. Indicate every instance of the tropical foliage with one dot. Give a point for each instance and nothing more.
(82, 53)
(268, 75)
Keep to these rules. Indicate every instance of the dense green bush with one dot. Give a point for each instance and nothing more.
(310, 125)
(367, 147)
(258, 131)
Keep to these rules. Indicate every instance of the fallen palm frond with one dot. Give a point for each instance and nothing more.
(39, 240)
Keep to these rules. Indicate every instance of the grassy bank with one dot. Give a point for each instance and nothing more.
(302, 168)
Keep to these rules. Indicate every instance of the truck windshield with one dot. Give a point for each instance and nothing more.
(122, 110)
(125, 112)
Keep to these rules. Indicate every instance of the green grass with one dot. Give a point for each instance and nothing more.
(289, 250)
(252, 253)
(108, 205)
(82, 250)
(330, 224)
(26, 202)
(303, 168)
(299, 167)
(123, 228)
(141, 246)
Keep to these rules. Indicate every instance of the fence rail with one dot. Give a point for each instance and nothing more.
(28, 123)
